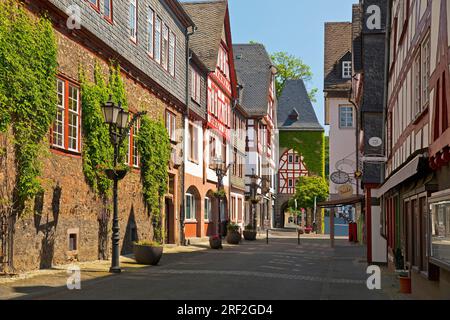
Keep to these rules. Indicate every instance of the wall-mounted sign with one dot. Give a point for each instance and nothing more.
(345, 191)
(340, 177)
(375, 142)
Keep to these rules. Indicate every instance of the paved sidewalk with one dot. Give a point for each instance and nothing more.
(253, 270)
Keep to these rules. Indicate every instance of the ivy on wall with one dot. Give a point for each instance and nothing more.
(28, 62)
(154, 149)
(311, 145)
(98, 152)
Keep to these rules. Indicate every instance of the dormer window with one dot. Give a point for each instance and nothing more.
(346, 69)
(294, 115)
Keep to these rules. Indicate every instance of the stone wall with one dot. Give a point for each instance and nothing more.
(67, 205)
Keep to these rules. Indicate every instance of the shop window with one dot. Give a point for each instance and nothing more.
(440, 232)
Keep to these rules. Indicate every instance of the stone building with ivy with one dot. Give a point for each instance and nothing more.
(301, 149)
(64, 212)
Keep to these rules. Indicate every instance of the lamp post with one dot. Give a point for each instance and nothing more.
(119, 127)
(221, 170)
(254, 186)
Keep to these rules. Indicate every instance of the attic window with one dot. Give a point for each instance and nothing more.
(294, 115)
(346, 69)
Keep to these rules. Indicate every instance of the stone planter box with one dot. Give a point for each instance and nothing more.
(234, 238)
(147, 255)
(215, 243)
(250, 235)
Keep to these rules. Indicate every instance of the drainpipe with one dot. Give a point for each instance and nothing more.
(185, 119)
(357, 128)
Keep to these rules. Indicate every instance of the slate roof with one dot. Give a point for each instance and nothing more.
(338, 48)
(254, 70)
(209, 17)
(294, 100)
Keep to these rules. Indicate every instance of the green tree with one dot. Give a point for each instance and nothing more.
(291, 67)
(308, 188)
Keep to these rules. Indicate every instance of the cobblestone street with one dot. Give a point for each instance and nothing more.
(280, 270)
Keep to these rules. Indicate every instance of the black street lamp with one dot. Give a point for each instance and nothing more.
(221, 169)
(119, 127)
(254, 186)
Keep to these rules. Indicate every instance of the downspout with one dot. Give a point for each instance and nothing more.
(185, 119)
(357, 128)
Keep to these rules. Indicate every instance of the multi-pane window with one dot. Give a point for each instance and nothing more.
(165, 47)
(193, 143)
(158, 39)
(207, 209)
(66, 128)
(58, 127)
(150, 29)
(133, 20)
(190, 207)
(346, 117)
(195, 85)
(107, 9)
(172, 41)
(133, 149)
(346, 69)
(171, 125)
(425, 71)
(417, 87)
(212, 148)
(135, 154)
(74, 117)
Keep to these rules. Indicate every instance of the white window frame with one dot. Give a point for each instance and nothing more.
(76, 114)
(347, 69)
(165, 47)
(158, 39)
(133, 23)
(172, 53)
(208, 209)
(171, 125)
(135, 161)
(190, 203)
(425, 71)
(150, 32)
(346, 125)
(195, 85)
(60, 109)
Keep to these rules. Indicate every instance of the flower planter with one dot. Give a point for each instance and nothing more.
(147, 255)
(234, 238)
(113, 174)
(250, 235)
(308, 230)
(215, 243)
(405, 282)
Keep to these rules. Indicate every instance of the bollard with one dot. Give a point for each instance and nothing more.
(298, 240)
(267, 237)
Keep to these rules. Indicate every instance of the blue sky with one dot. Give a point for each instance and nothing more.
(295, 26)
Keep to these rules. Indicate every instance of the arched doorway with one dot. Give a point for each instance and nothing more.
(193, 214)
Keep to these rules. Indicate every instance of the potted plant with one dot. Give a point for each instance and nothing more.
(147, 252)
(402, 273)
(215, 242)
(308, 230)
(300, 230)
(250, 233)
(233, 235)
